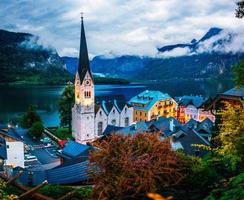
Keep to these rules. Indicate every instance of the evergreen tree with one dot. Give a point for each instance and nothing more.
(29, 118)
(238, 71)
(66, 102)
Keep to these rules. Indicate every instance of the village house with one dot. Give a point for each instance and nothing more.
(182, 136)
(191, 107)
(149, 105)
(234, 96)
(12, 146)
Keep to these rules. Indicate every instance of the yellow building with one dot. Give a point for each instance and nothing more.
(149, 105)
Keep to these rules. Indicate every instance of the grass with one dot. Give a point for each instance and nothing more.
(57, 191)
(62, 133)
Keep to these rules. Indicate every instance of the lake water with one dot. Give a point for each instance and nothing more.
(14, 101)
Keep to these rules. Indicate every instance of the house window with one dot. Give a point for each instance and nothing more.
(113, 122)
(100, 128)
(127, 121)
(113, 111)
(7, 146)
(125, 110)
(100, 113)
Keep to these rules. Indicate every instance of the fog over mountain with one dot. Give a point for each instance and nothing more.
(212, 55)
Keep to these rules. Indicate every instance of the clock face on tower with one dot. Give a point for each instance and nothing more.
(87, 82)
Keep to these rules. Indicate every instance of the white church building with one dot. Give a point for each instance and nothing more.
(90, 119)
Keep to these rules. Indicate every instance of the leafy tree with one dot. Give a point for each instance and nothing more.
(130, 166)
(36, 130)
(29, 118)
(240, 9)
(238, 71)
(231, 133)
(66, 102)
(230, 190)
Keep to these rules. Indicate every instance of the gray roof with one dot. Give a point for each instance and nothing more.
(107, 103)
(3, 150)
(11, 132)
(74, 149)
(111, 129)
(196, 101)
(238, 92)
(74, 171)
(205, 126)
(163, 125)
(187, 139)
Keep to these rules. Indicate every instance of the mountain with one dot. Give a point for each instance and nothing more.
(194, 43)
(209, 57)
(110, 66)
(23, 60)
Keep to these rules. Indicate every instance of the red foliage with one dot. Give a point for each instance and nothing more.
(130, 166)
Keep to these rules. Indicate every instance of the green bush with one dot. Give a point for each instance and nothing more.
(36, 130)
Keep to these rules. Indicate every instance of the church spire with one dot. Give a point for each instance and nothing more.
(83, 67)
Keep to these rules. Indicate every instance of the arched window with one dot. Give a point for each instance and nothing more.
(87, 94)
(113, 122)
(100, 128)
(113, 111)
(127, 121)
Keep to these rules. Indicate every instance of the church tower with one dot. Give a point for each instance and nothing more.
(83, 112)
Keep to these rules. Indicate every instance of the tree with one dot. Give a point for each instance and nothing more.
(240, 9)
(238, 71)
(36, 130)
(130, 166)
(231, 133)
(66, 102)
(29, 118)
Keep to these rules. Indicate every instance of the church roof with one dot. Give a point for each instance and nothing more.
(84, 64)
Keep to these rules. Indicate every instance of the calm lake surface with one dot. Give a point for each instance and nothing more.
(14, 101)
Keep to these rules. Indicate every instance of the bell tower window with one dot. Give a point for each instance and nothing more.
(87, 94)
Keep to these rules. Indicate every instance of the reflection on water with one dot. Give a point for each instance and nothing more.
(14, 101)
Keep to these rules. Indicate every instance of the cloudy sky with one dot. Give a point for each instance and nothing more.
(117, 26)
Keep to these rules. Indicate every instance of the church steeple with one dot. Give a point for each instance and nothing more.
(84, 64)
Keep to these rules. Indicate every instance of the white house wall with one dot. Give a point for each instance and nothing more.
(114, 116)
(101, 117)
(15, 154)
(126, 112)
